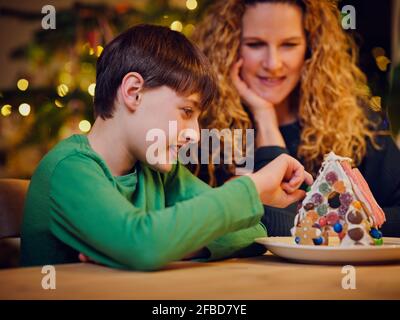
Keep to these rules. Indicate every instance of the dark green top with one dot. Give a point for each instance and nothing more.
(142, 220)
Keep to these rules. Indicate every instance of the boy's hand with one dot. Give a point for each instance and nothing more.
(85, 259)
(278, 183)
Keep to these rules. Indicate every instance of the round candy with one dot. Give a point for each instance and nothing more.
(322, 209)
(375, 233)
(332, 218)
(337, 227)
(318, 241)
(309, 206)
(339, 186)
(378, 242)
(317, 198)
(357, 205)
(331, 177)
(322, 222)
(346, 199)
(343, 209)
(324, 188)
(333, 200)
(354, 217)
(356, 234)
(297, 240)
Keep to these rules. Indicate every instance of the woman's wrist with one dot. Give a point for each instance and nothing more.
(270, 138)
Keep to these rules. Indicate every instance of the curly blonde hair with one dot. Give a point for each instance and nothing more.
(333, 90)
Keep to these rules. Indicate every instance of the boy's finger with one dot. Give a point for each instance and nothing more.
(296, 195)
(287, 187)
(308, 178)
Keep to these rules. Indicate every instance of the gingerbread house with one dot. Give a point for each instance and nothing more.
(338, 203)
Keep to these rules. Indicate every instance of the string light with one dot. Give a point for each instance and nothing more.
(58, 103)
(191, 4)
(6, 110)
(382, 62)
(22, 84)
(24, 109)
(188, 29)
(99, 50)
(91, 89)
(85, 126)
(62, 90)
(176, 26)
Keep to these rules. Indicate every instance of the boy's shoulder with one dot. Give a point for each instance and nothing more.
(75, 147)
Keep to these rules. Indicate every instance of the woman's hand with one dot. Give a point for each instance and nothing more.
(278, 182)
(256, 104)
(264, 114)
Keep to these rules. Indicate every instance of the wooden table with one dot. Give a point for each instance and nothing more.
(264, 277)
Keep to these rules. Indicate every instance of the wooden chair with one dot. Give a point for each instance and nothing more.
(12, 199)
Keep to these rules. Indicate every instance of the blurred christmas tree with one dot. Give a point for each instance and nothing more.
(54, 96)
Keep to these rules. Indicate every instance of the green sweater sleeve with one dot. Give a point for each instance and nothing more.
(182, 184)
(89, 214)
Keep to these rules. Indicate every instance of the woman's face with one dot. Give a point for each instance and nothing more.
(273, 49)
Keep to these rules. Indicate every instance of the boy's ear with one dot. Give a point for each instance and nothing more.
(131, 90)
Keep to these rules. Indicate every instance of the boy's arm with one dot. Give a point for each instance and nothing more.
(91, 216)
(181, 184)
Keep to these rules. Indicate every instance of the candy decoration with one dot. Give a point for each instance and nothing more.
(375, 233)
(324, 188)
(338, 227)
(357, 205)
(378, 242)
(343, 210)
(322, 209)
(346, 199)
(317, 198)
(354, 217)
(322, 222)
(356, 234)
(318, 241)
(309, 206)
(339, 186)
(297, 240)
(331, 177)
(333, 200)
(332, 218)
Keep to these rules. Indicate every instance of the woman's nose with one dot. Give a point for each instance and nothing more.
(272, 60)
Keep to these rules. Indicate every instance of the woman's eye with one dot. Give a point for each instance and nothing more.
(254, 44)
(290, 44)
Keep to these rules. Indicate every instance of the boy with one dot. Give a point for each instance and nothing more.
(98, 195)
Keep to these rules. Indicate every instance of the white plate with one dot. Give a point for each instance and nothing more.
(285, 247)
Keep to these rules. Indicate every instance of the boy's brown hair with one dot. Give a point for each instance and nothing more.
(161, 56)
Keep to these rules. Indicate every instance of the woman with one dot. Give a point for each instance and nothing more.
(287, 69)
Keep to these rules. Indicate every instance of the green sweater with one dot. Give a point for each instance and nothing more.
(142, 220)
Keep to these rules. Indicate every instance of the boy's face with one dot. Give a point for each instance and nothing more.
(163, 122)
